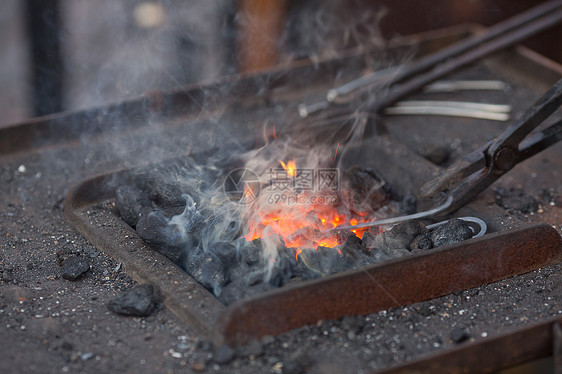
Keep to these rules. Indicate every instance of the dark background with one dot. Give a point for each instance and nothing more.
(61, 55)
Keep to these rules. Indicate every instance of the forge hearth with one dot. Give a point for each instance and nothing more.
(422, 274)
(191, 220)
(315, 315)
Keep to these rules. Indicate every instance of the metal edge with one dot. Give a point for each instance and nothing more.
(392, 284)
(490, 355)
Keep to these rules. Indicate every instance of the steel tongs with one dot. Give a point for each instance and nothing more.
(475, 172)
(469, 176)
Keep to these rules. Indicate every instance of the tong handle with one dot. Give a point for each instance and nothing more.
(504, 152)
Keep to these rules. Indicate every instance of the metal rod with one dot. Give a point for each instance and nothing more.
(394, 220)
(361, 82)
(462, 85)
(484, 50)
(463, 46)
(481, 224)
(485, 107)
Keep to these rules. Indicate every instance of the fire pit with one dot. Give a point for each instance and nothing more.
(90, 207)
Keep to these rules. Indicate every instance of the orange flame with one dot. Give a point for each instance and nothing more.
(307, 222)
(290, 168)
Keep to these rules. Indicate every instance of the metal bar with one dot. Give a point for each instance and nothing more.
(446, 111)
(392, 284)
(407, 71)
(463, 46)
(453, 64)
(490, 355)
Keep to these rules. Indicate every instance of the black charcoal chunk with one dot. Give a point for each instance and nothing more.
(251, 253)
(342, 235)
(302, 270)
(169, 197)
(132, 203)
(155, 229)
(324, 261)
(226, 252)
(139, 301)
(239, 289)
(353, 247)
(74, 267)
(364, 190)
(368, 240)
(281, 271)
(207, 269)
(459, 335)
(400, 236)
(451, 232)
(516, 200)
(422, 241)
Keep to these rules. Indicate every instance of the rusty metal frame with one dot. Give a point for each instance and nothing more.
(522, 346)
(362, 291)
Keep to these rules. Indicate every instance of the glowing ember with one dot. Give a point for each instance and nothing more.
(303, 219)
(290, 168)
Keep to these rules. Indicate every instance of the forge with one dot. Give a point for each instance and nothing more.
(194, 200)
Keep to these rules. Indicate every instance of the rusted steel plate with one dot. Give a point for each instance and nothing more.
(393, 283)
(362, 291)
(507, 350)
(185, 297)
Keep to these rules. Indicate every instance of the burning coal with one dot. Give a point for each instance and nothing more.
(266, 218)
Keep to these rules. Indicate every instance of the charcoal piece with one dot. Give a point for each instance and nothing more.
(223, 354)
(226, 252)
(239, 289)
(353, 247)
(281, 272)
(251, 253)
(132, 203)
(232, 291)
(368, 240)
(302, 270)
(325, 260)
(289, 255)
(139, 301)
(422, 241)
(436, 153)
(400, 236)
(74, 267)
(453, 231)
(168, 196)
(516, 200)
(155, 229)
(207, 269)
(364, 190)
(459, 335)
(342, 235)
